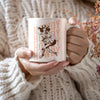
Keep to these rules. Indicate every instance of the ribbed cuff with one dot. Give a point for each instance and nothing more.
(12, 81)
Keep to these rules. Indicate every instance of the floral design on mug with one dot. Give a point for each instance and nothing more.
(48, 40)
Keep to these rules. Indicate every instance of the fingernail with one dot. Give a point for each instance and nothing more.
(64, 65)
(29, 53)
(72, 21)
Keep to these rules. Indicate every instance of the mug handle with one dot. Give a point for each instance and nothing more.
(67, 28)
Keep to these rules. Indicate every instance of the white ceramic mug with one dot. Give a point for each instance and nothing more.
(47, 39)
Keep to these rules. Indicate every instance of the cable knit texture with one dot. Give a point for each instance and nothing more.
(80, 82)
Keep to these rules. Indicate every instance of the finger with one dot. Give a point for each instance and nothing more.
(36, 66)
(64, 63)
(77, 41)
(24, 53)
(26, 65)
(74, 58)
(76, 49)
(77, 32)
(50, 65)
(59, 67)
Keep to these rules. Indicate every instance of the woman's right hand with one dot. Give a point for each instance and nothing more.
(34, 68)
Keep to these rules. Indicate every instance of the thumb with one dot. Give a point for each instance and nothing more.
(24, 53)
(72, 21)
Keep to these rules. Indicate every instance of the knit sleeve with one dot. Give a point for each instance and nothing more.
(86, 77)
(13, 85)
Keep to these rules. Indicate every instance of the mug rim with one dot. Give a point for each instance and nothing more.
(47, 18)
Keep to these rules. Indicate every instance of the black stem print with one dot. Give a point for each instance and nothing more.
(47, 39)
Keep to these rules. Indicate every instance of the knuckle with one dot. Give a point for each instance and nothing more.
(69, 45)
(70, 55)
(74, 58)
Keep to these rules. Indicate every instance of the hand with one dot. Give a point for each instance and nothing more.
(34, 68)
(77, 43)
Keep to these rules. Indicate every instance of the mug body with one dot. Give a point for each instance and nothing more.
(47, 39)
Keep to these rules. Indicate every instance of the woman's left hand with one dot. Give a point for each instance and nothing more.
(77, 44)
